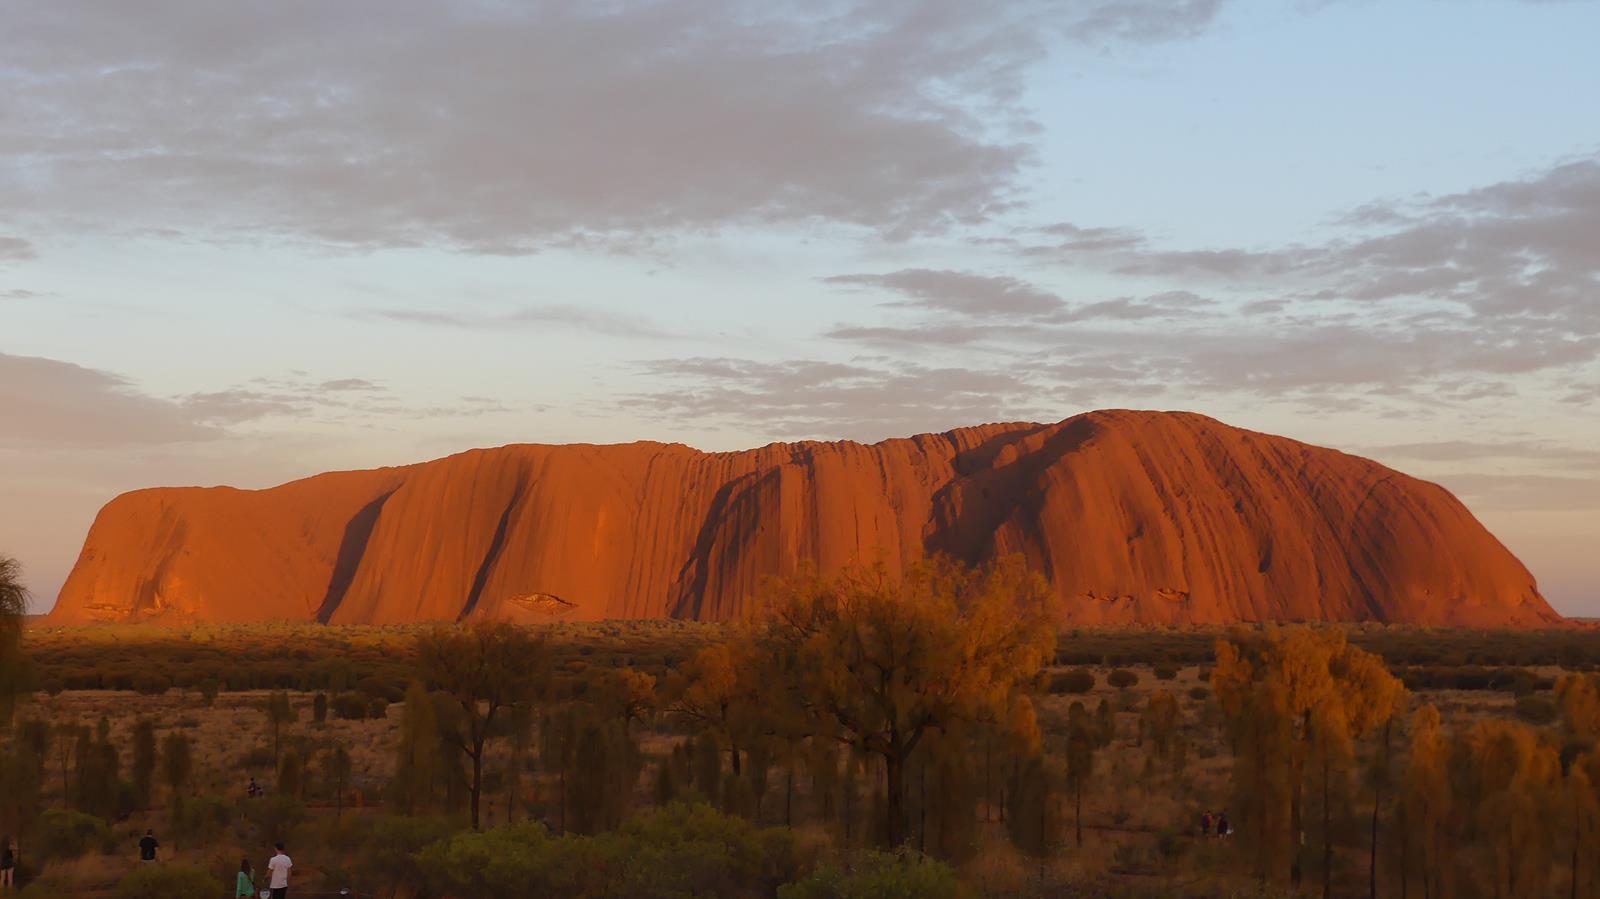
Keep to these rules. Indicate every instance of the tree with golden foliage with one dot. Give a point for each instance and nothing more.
(1513, 781)
(629, 693)
(878, 662)
(719, 691)
(1583, 788)
(1579, 699)
(1327, 691)
(1427, 805)
(482, 668)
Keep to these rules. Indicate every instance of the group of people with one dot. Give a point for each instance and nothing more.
(1209, 821)
(244, 884)
(277, 876)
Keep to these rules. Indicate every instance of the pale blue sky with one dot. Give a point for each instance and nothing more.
(244, 243)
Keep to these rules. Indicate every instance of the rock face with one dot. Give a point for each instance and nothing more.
(1133, 517)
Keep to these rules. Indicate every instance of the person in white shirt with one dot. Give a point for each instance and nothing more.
(278, 871)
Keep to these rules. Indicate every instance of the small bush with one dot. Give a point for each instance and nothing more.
(64, 834)
(351, 706)
(1078, 680)
(878, 875)
(1536, 710)
(1122, 678)
(168, 882)
(1166, 672)
(151, 684)
(1199, 694)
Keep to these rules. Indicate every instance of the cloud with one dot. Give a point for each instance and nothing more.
(15, 249)
(864, 399)
(44, 402)
(503, 128)
(960, 292)
(564, 317)
(1439, 297)
(1525, 492)
(20, 293)
(1538, 451)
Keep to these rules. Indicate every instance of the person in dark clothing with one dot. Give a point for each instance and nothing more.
(1224, 829)
(148, 846)
(1205, 824)
(8, 865)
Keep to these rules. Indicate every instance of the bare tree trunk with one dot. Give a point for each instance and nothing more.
(1577, 835)
(894, 788)
(1327, 837)
(1078, 814)
(477, 785)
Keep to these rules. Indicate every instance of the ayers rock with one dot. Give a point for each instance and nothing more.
(1133, 517)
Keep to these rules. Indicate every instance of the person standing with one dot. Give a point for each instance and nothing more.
(8, 865)
(245, 883)
(148, 846)
(278, 868)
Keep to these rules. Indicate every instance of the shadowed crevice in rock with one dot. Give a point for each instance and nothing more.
(495, 547)
(348, 562)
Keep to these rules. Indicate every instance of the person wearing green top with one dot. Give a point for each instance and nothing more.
(244, 884)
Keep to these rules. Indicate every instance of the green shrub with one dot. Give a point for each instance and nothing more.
(1122, 678)
(878, 875)
(1078, 680)
(168, 882)
(680, 850)
(275, 817)
(203, 818)
(63, 834)
(389, 850)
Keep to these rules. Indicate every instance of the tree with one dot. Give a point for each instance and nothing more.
(1082, 741)
(1323, 686)
(14, 672)
(630, 694)
(279, 713)
(336, 766)
(558, 749)
(1160, 721)
(417, 755)
(519, 730)
(319, 707)
(878, 663)
(1579, 698)
(482, 668)
(291, 775)
(177, 763)
(1427, 802)
(720, 692)
(144, 761)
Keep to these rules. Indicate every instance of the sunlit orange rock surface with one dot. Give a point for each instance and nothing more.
(1150, 517)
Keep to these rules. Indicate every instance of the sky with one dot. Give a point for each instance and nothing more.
(243, 243)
